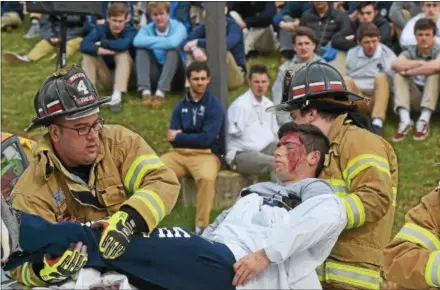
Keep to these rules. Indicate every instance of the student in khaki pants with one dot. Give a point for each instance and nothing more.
(417, 81)
(197, 135)
(50, 42)
(195, 46)
(108, 46)
(369, 74)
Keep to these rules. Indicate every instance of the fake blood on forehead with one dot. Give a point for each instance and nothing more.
(296, 152)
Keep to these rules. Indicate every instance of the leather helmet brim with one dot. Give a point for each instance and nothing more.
(298, 103)
(46, 121)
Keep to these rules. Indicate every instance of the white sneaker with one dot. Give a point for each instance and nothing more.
(402, 131)
(34, 31)
(422, 130)
(13, 57)
(114, 101)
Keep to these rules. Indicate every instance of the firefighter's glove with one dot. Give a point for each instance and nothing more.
(58, 269)
(116, 233)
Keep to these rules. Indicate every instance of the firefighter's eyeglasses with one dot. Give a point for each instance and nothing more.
(85, 130)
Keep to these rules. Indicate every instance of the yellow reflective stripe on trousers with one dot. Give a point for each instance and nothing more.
(394, 196)
(351, 275)
(432, 271)
(339, 186)
(362, 162)
(355, 211)
(153, 202)
(419, 235)
(138, 169)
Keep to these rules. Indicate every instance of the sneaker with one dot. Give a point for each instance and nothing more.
(402, 131)
(147, 100)
(13, 57)
(34, 31)
(422, 130)
(114, 101)
(157, 102)
(378, 130)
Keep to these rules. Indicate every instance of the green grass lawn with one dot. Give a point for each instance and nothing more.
(19, 84)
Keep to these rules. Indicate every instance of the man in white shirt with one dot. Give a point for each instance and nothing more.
(369, 73)
(430, 10)
(251, 136)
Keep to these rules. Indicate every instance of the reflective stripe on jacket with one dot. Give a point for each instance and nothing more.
(126, 172)
(362, 168)
(412, 259)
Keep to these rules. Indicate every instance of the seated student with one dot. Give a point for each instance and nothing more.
(304, 44)
(252, 132)
(255, 19)
(179, 10)
(417, 81)
(195, 46)
(50, 29)
(197, 134)
(12, 15)
(91, 21)
(369, 73)
(368, 12)
(430, 10)
(273, 237)
(159, 61)
(107, 48)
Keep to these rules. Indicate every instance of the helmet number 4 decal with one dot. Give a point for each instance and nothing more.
(82, 87)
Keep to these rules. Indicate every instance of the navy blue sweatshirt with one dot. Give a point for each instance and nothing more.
(103, 34)
(202, 124)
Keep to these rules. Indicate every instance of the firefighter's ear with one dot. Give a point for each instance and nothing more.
(312, 115)
(54, 132)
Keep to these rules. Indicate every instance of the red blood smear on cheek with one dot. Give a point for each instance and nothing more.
(296, 150)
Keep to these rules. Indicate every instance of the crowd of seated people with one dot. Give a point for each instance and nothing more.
(387, 52)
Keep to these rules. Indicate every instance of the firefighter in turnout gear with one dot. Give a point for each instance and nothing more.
(412, 259)
(84, 171)
(360, 166)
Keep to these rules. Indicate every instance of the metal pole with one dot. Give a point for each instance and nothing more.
(62, 41)
(216, 48)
